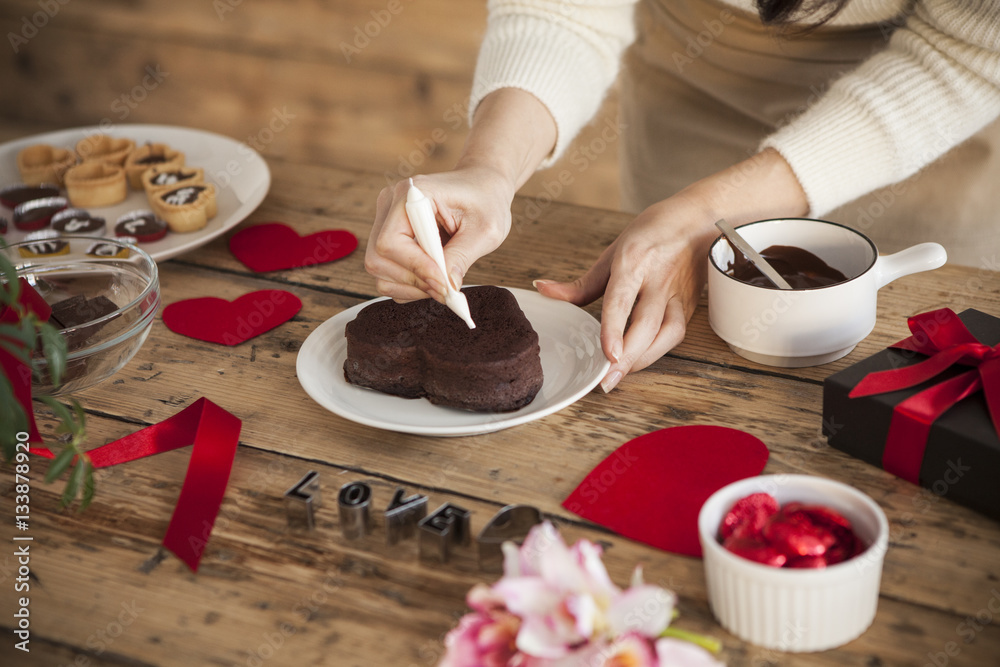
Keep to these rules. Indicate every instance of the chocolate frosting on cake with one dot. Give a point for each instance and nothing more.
(422, 349)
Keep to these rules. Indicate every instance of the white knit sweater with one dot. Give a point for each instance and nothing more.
(936, 84)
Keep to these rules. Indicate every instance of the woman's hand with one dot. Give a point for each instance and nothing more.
(653, 274)
(472, 205)
(511, 135)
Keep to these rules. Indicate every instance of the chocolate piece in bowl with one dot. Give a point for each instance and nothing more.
(422, 349)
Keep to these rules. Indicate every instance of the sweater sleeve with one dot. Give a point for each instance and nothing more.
(564, 52)
(935, 84)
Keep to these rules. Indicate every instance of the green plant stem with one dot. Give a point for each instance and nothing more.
(708, 643)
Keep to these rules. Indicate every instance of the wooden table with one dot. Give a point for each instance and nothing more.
(104, 592)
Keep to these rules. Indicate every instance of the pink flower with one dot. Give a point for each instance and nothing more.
(556, 606)
(482, 640)
(565, 597)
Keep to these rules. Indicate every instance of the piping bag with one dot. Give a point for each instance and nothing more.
(425, 228)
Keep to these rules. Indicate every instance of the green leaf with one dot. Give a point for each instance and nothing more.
(54, 349)
(76, 478)
(88, 488)
(62, 413)
(12, 418)
(11, 287)
(59, 464)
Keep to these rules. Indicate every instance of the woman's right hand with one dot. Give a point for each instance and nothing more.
(509, 138)
(472, 205)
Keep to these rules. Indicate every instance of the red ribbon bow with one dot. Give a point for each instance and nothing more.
(944, 337)
(215, 434)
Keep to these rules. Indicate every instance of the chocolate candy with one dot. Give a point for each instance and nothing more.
(182, 196)
(13, 195)
(43, 248)
(104, 249)
(37, 213)
(143, 225)
(171, 177)
(78, 221)
(796, 535)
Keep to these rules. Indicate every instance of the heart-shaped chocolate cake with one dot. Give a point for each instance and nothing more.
(422, 349)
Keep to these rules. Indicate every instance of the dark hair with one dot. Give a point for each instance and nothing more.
(783, 12)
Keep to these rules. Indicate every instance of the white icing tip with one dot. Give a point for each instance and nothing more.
(460, 306)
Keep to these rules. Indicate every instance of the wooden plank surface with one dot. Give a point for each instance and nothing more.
(397, 106)
(255, 597)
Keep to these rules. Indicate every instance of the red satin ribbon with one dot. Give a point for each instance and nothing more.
(215, 434)
(14, 369)
(941, 335)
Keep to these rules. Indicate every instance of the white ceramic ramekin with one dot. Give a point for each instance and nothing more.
(806, 327)
(790, 609)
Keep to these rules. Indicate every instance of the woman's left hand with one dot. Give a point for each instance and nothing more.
(653, 274)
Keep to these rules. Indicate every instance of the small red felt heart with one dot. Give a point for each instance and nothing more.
(652, 488)
(273, 246)
(231, 322)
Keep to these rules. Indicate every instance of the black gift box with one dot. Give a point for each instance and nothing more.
(962, 456)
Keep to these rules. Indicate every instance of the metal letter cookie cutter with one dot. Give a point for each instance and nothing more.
(402, 515)
(448, 524)
(302, 500)
(511, 523)
(353, 503)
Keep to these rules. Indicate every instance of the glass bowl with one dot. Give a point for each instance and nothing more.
(69, 267)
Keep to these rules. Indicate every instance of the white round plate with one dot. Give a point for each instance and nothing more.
(240, 175)
(572, 365)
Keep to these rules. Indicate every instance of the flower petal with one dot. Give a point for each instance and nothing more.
(678, 653)
(645, 610)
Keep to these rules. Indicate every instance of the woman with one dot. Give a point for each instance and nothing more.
(831, 115)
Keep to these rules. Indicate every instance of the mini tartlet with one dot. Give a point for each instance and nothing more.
(104, 148)
(96, 184)
(187, 208)
(41, 163)
(159, 178)
(147, 156)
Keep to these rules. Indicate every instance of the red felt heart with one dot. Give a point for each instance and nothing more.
(652, 488)
(273, 246)
(231, 322)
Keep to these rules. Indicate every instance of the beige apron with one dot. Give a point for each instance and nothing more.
(705, 83)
